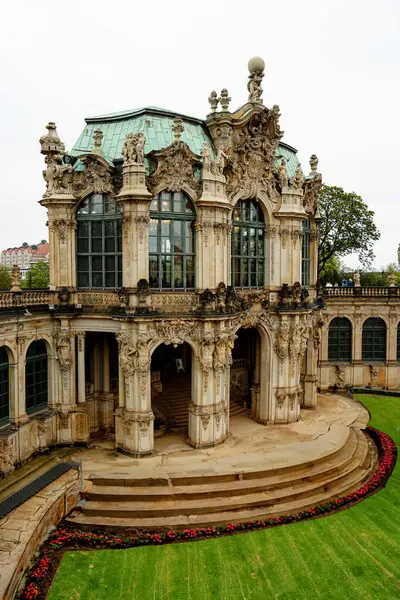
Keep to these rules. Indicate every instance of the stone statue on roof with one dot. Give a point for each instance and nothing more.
(256, 67)
(282, 174)
(133, 148)
(205, 153)
(297, 181)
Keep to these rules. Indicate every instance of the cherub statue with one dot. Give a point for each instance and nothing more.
(254, 86)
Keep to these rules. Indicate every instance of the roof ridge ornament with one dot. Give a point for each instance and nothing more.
(313, 165)
(177, 128)
(98, 140)
(213, 100)
(256, 67)
(224, 99)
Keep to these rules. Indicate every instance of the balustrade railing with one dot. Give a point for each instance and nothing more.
(27, 298)
(362, 291)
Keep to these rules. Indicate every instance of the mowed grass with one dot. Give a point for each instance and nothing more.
(352, 555)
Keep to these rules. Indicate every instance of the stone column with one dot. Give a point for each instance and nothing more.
(106, 365)
(135, 200)
(81, 368)
(291, 215)
(310, 380)
(134, 421)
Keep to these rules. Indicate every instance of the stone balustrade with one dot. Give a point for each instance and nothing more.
(375, 292)
(27, 298)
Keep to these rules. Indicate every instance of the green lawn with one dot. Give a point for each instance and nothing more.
(353, 555)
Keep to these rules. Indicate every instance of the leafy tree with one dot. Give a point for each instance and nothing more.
(332, 270)
(37, 276)
(5, 278)
(347, 226)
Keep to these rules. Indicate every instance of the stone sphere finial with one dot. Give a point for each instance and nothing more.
(256, 64)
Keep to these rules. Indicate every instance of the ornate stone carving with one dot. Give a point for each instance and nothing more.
(280, 397)
(223, 351)
(224, 99)
(177, 128)
(142, 224)
(98, 139)
(175, 169)
(205, 420)
(392, 278)
(127, 354)
(6, 461)
(356, 278)
(63, 419)
(284, 233)
(252, 156)
(206, 356)
(15, 279)
(340, 381)
(64, 295)
(297, 180)
(205, 228)
(80, 421)
(133, 149)
(374, 371)
(213, 100)
(41, 433)
(63, 228)
(176, 331)
(295, 345)
(313, 165)
(256, 68)
(97, 177)
(282, 341)
(98, 298)
(282, 174)
(64, 356)
(81, 341)
(205, 153)
(312, 188)
(271, 231)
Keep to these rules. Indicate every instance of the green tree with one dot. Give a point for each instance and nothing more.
(332, 270)
(5, 278)
(347, 227)
(37, 276)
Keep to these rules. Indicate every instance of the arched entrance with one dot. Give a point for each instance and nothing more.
(171, 369)
(245, 370)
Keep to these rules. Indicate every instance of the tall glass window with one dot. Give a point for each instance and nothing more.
(248, 259)
(99, 243)
(306, 254)
(36, 377)
(374, 340)
(172, 242)
(4, 387)
(339, 340)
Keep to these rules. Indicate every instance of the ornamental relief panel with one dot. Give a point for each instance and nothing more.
(175, 169)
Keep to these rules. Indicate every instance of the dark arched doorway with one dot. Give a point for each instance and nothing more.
(245, 370)
(171, 369)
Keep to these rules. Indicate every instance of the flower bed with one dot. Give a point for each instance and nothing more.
(41, 575)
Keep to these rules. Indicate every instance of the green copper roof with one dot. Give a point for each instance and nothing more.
(156, 124)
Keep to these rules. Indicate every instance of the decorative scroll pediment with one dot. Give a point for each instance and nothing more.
(175, 169)
(97, 177)
(253, 142)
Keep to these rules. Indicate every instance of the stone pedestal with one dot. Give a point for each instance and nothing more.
(134, 432)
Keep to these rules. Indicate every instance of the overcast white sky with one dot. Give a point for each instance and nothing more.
(332, 65)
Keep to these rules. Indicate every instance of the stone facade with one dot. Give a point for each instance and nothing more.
(93, 329)
(357, 305)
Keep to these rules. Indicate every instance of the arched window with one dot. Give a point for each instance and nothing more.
(172, 242)
(248, 245)
(4, 387)
(339, 340)
(99, 246)
(36, 377)
(374, 340)
(305, 254)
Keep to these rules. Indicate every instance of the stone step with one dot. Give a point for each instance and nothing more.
(237, 484)
(125, 506)
(337, 458)
(290, 506)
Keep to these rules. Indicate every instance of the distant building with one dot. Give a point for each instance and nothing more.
(24, 256)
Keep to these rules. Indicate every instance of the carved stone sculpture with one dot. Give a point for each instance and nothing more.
(340, 377)
(207, 351)
(175, 169)
(313, 164)
(177, 128)
(133, 148)
(176, 331)
(64, 356)
(213, 100)
(282, 174)
(282, 341)
(392, 278)
(356, 278)
(298, 180)
(205, 153)
(224, 99)
(15, 279)
(374, 371)
(127, 354)
(6, 461)
(256, 68)
(98, 139)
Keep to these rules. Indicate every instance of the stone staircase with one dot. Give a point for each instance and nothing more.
(173, 401)
(180, 501)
